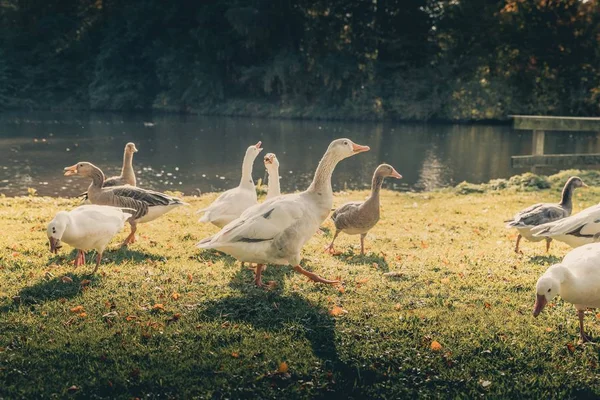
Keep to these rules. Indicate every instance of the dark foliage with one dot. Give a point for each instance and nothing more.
(410, 59)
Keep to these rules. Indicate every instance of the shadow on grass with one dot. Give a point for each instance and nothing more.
(544, 260)
(213, 255)
(56, 288)
(255, 306)
(349, 257)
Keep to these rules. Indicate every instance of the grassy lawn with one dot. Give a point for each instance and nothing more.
(164, 319)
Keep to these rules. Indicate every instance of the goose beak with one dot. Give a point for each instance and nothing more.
(135, 150)
(540, 303)
(72, 170)
(357, 148)
(257, 145)
(583, 185)
(54, 245)
(395, 174)
(269, 158)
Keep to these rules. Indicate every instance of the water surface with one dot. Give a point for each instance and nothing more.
(195, 153)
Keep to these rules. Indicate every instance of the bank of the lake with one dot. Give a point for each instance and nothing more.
(163, 318)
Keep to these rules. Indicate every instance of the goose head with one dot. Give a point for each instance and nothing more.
(130, 148)
(56, 229)
(547, 288)
(271, 162)
(576, 182)
(386, 170)
(344, 148)
(82, 168)
(252, 151)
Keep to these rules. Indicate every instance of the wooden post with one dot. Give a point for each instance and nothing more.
(538, 143)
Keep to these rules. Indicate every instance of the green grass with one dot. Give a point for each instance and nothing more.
(164, 319)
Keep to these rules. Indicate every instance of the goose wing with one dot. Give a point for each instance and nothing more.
(570, 225)
(343, 215)
(260, 223)
(150, 197)
(538, 214)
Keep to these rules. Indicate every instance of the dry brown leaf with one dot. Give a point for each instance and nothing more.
(487, 305)
(130, 317)
(235, 354)
(341, 289)
(435, 346)
(424, 244)
(549, 329)
(337, 311)
(158, 307)
(83, 315)
(283, 367)
(397, 306)
(77, 309)
(361, 281)
(85, 282)
(571, 347)
(66, 279)
(175, 296)
(190, 278)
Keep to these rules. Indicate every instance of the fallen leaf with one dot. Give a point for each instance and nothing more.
(487, 305)
(485, 384)
(158, 307)
(85, 282)
(190, 278)
(361, 281)
(424, 244)
(73, 389)
(571, 347)
(130, 317)
(435, 346)
(283, 367)
(83, 315)
(341, 289)
(235, 354)
(66, 279)
(175, 296)
(549, 329)
(77, 309)
(445, 281)
(398, 307)
(337, 311)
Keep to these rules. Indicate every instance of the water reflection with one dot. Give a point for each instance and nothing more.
(190, 153)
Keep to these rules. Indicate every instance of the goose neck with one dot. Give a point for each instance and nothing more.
(246, 180)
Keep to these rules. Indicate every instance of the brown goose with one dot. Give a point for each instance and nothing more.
(127, 176)
(526, 221)
(358, 217)
(148, 205)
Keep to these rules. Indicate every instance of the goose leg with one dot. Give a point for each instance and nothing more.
(98, 258)
(517, 245)
(329, 249)
(131, 238)
(258, 276)
(362, 243)
(584, 338)
(314, 277)
(548, 241)
(79, 258)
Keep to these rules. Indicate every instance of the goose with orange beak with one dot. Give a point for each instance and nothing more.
(86, 228)
(232, 203)
(275, 231)
(576, 279)
(359, 217)
(147, 204)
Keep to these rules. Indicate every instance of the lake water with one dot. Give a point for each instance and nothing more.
(191, 153)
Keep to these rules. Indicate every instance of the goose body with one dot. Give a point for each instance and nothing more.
(359, 217)
(538, 214)
(147, 204)
(275, 231)
(233, 202)
(577, 230)
(576, 279)
(88, 227)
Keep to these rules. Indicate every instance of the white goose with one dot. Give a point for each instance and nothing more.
(275, 231)
(576, 279)
(232, 203)
(577, 230)
(85, 228)
(272, 166)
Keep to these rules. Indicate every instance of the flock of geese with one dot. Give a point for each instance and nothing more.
(274, 231)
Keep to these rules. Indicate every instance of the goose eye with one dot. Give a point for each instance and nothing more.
(345, 142)
(549, 290)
